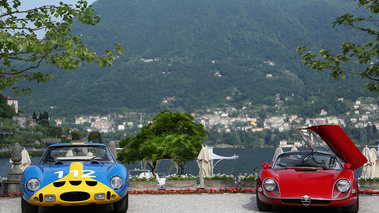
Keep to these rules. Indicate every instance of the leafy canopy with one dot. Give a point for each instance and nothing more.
(6, 111)
(95, 137)
(22, 52)
(169, 136)
(365, 54)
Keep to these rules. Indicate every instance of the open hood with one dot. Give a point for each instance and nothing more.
(337, 141)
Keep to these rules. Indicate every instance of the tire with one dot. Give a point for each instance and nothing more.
(122, 205)
(262, 206)
(27, 207)
(354, 208)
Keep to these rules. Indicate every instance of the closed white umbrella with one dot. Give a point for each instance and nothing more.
(204, 164)
(278, 151)
(112, 147)
(368, 166)
(25, 160)
(375, 171)
(69, 153)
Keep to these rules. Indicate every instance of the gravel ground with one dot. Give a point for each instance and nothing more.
(218, 203)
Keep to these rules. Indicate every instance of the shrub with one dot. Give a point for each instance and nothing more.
(369, 179)
(248, 177)
(136, 178)
(220, 177)
(181, 177)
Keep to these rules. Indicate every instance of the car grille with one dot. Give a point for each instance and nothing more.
(91, 183)
(74, 183)
(313, 202)
(59, 183)
(75, 196)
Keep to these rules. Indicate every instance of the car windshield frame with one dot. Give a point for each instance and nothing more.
(74, 153)
(307, 160)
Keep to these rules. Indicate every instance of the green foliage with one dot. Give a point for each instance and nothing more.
(95, 137)
(181, 177)
(77, 135)
(376, 179)
(44, 123)
(249, 176)
(137, 178)
(220, 177)
(26, 136)
(55, 132)
(364, 54)
(6, 111)
(168, 136)
(184, 40)
(22, 52)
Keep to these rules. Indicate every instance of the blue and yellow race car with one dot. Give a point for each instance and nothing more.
(75, 174)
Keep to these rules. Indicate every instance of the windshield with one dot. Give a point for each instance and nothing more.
(306, 160)
(76, 153)
(313, 140)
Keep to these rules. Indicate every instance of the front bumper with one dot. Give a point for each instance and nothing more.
(308, 201)
(74, 192)
(74, 198)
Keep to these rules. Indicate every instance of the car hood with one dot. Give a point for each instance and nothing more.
(294, 183)
(337, 140)
(78, 170)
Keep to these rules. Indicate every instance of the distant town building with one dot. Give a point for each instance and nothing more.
(13, 102)
(23, 120)
(121, 127)
(58, 122)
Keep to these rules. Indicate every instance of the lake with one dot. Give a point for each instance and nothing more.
(249, 161)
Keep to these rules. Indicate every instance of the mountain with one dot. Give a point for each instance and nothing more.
(197, 54)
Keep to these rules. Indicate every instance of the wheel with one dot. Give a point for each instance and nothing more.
(122, 205)
(27, 207)
(262, 206)
(354, 208)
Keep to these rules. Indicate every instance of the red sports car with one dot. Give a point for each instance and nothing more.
(316, 177)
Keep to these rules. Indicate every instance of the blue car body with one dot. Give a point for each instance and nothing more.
(70, 174)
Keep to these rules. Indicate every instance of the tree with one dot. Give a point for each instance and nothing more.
(22, 52)
(6, 111)
(77, 135)
(55, 131)
(365, 54)
(95, 137)
(169, 136)
(35, 116)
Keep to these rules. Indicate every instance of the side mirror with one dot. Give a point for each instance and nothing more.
(265, 165)
(348, 165)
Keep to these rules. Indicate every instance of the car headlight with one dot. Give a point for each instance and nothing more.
(343, 185)
(33, 184)
(269, 184)
(116, 182)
